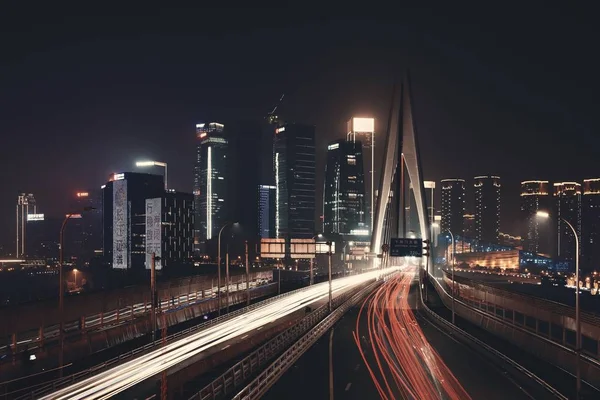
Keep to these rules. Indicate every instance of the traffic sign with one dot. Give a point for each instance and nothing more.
(402, 247)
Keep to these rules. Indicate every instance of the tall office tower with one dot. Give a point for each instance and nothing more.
(294, 159)
(266, 211)
(363, 130)
(487, 208)
(25, 206)
(123, 205)
(344, 210)
(169, 229)
(453, 206)
(567, 196)
(83, 236)
(210, 181)
(590, 224)
(534, 197)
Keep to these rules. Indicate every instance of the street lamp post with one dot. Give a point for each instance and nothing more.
(219, 267)
(543, 214)
(330, 294)
(61, 289)
(153, 164)
(312, 260)
(453, 283)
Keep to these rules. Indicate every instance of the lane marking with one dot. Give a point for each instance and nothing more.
(348, 386)
(357, 367)
(225, 347)
(244, 337)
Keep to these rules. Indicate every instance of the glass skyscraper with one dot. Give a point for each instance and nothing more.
(344, 203)
(266, 211)
(294, 160)
(210, 181)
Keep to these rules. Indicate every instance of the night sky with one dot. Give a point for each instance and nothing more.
(511, 92)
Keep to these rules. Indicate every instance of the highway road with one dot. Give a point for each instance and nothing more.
(418, 360)
(118, 379)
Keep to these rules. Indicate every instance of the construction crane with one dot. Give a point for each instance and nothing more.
(271, 116)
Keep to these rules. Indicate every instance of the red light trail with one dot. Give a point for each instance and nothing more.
(404, 364)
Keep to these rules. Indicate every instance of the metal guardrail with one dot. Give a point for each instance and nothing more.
(251, 364)
(538, 302)
(266, 379)
(61, 382)
(489, 349)
(458, 300)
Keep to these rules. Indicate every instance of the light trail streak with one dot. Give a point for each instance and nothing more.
(122, 377)
(404, 364)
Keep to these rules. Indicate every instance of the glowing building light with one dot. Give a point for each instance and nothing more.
(363, 125)
(277, 194)
(82, 194)
(209, 195)
(333, 146)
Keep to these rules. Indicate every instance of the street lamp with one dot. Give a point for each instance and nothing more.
(61, 289)
(544, 214)
(453, 283)
(312, 260)
(153, 164)
(329, 243)
(219, 267)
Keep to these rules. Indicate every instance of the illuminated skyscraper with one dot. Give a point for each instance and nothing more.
(469, 225)
(534, 197)
(567, 196)
(25, 205)
(294, 160)
(590, 224)
(453, 206)
(344, 208)
(363, 130)
(487, 208)
(210, 181)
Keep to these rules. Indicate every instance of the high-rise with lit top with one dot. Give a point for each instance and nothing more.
(25, 205)
(344, 208)
(210, 181)
(295, 162)
(487, 208)
(453, 206)
(363, 130)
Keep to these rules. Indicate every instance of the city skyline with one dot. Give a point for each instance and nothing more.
(153, 129)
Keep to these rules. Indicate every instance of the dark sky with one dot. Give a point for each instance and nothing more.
(511, 92)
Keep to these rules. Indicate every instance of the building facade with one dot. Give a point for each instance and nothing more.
(363, 130)
(210, 181)
(453, 206)
(590, 224)
(83, 236)
(123, 212)
(535, 197)
(344, 205)
(567, 197)
(25, 205)
(169, 229)
(487, 208)
(295, 163)
(266, 211)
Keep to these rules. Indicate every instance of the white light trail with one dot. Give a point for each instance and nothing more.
(116, 380)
